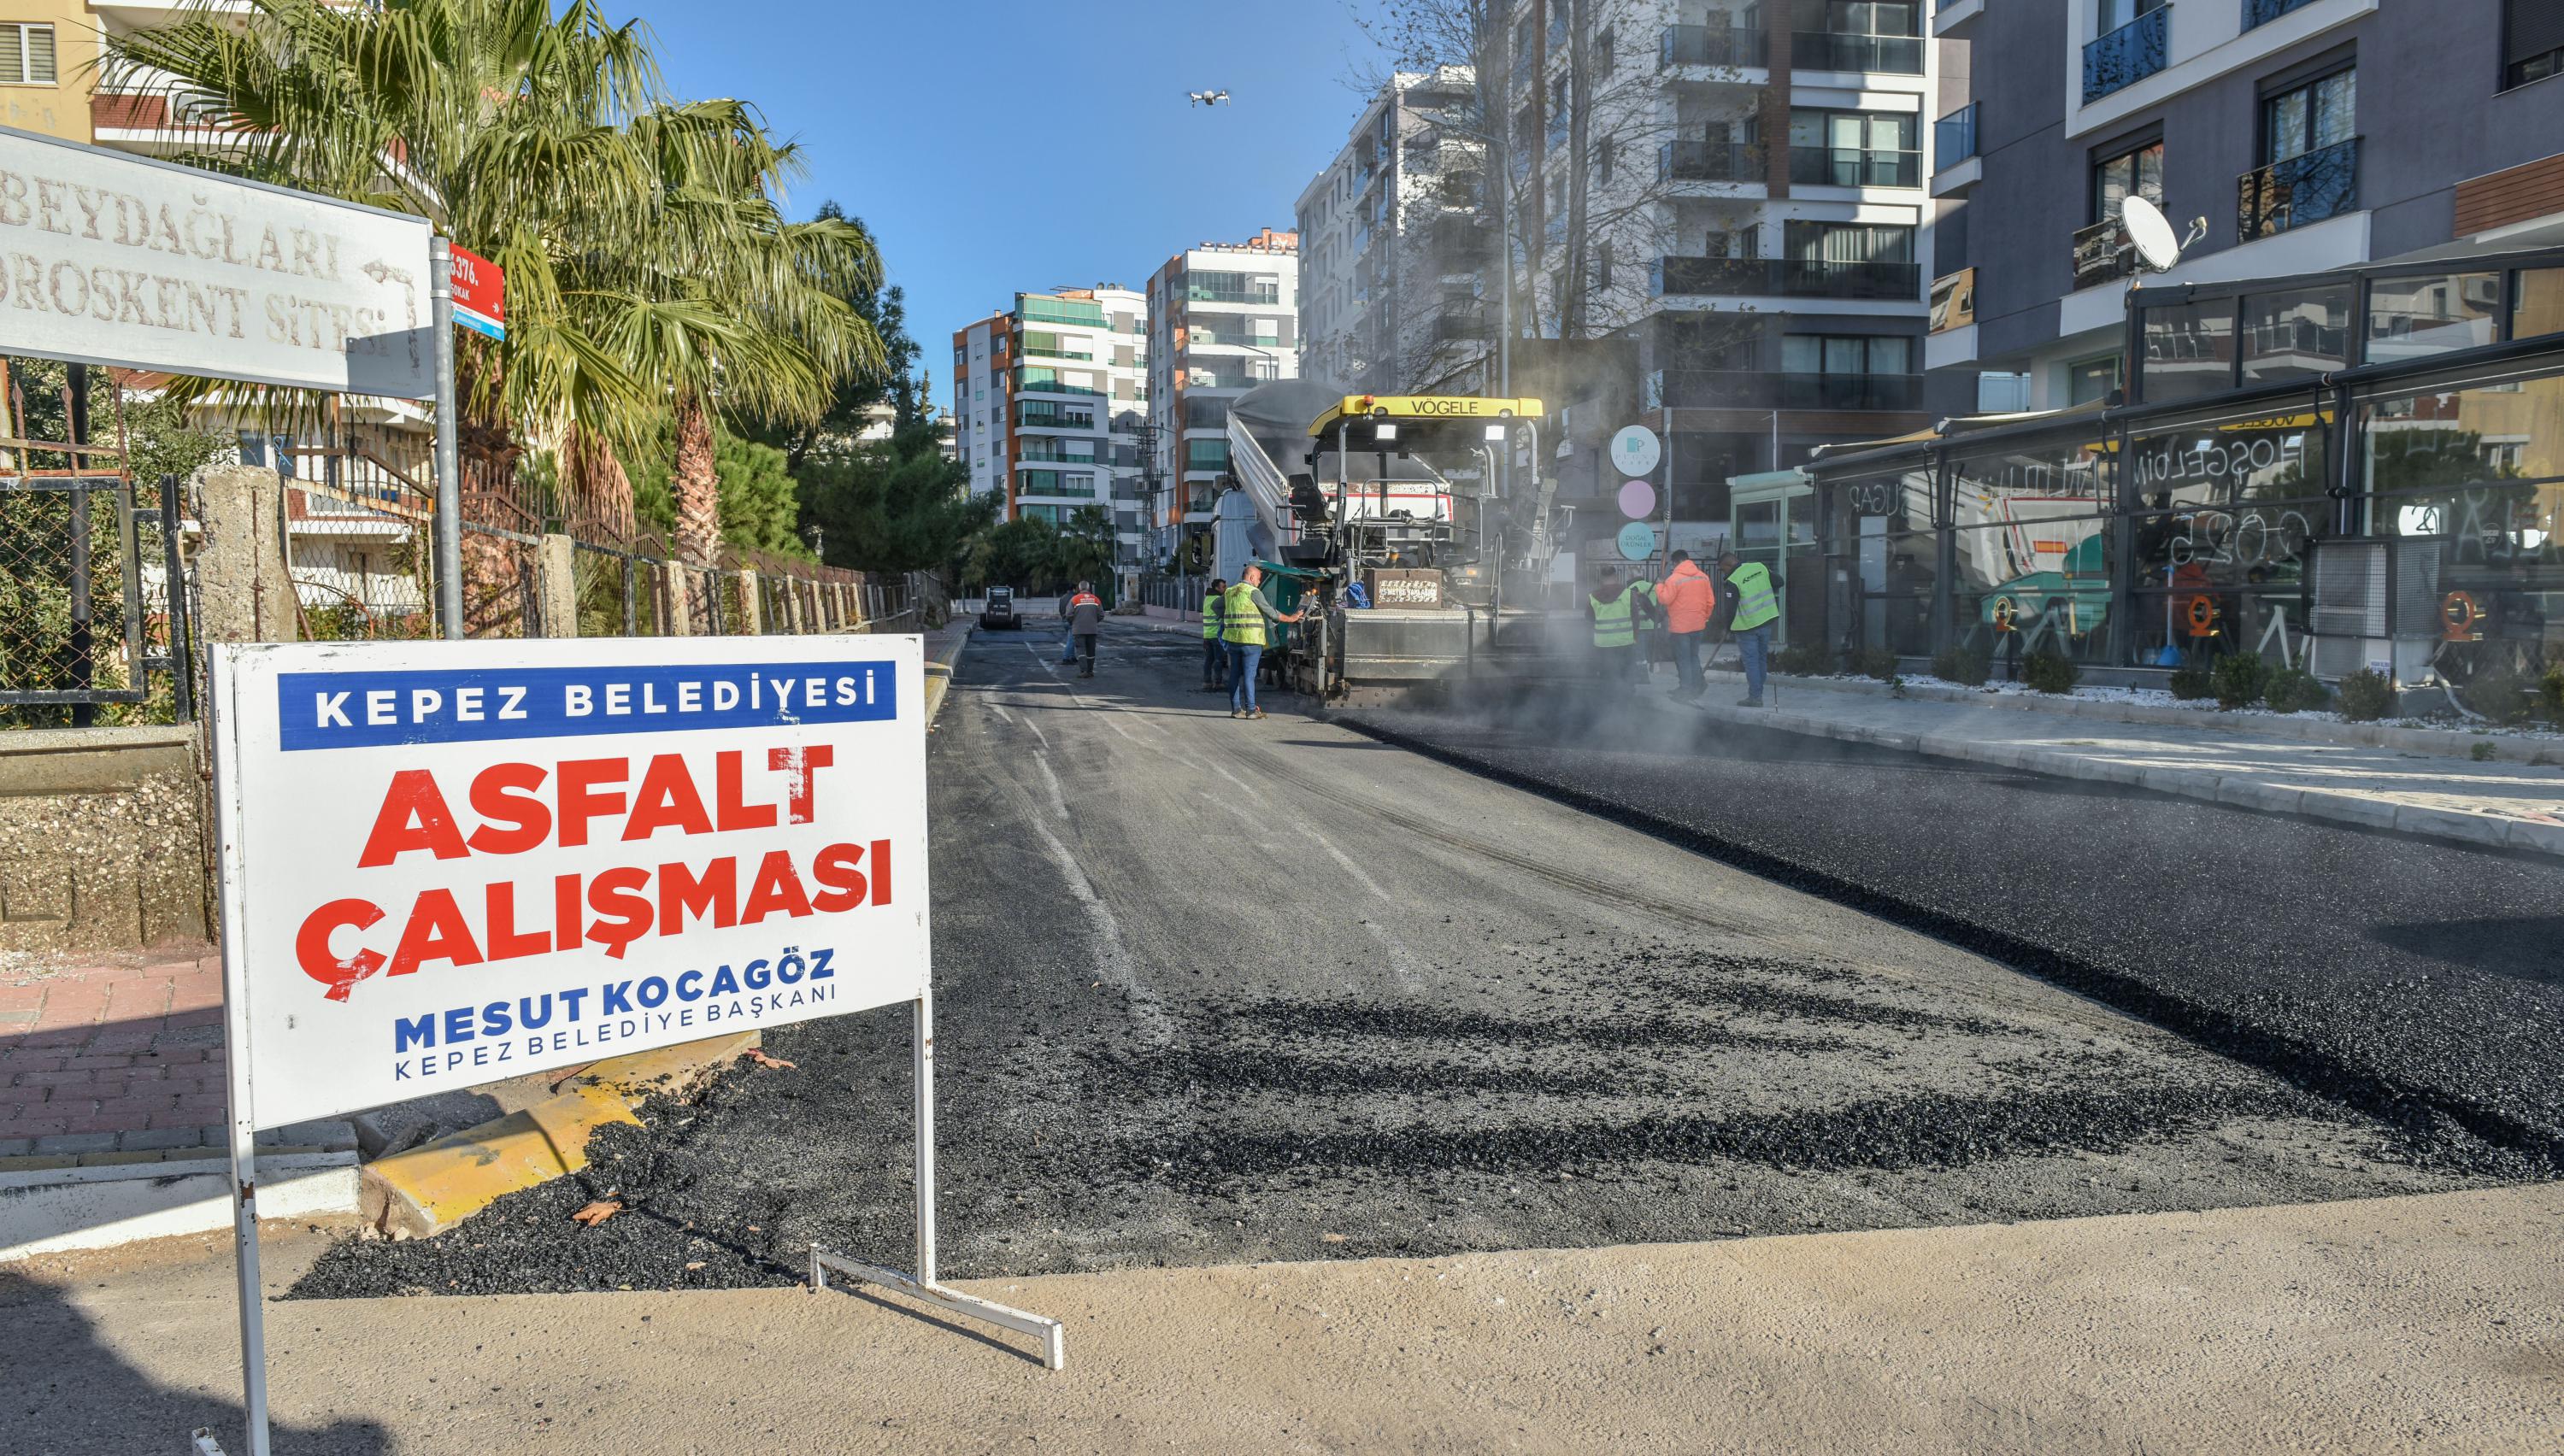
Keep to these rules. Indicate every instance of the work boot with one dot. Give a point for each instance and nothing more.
(1748, 701)
(1237, 712)
(1258, 713)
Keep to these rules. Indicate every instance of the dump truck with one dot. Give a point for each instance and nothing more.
(1420, 527)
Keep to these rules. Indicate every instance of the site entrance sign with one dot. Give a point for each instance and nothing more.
(439, 874)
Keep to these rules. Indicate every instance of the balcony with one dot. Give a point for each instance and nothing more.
(1844, 166)
(1696, 160)
(1029, 417)
(1088, 316)
(1954, 137)
(1711, 44)
(1785, 278)
(1462, 320)
(2127, 55)
(1744, 389)
(1024, 385)
(2101, 254)
(2263, 12)
(2306, 188)
(1267, 297)
(1827, 50)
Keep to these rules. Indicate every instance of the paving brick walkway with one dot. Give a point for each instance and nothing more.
(123, 1054)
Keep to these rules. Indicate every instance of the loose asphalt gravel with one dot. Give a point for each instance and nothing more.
(1214, 991)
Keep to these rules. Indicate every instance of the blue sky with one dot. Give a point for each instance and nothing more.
(994, 146)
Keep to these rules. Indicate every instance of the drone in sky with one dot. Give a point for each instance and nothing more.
(1206, 98)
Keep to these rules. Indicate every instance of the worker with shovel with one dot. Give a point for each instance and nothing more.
(1747, 607)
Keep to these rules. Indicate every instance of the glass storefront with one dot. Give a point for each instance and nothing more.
(1884, 553)
(2033, 547)
(2372, 461)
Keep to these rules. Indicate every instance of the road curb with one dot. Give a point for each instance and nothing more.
(2454, 826)
(939, 676)
(435, 1185)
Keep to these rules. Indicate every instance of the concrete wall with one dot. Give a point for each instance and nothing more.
(101, 844)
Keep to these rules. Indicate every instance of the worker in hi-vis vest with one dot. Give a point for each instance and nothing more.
(1749, 607)
(1612, 607)
(1215, 650)
(1243, 614)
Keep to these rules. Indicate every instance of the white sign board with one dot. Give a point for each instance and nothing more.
(113, 259)
(452, 863)
(1635, 450)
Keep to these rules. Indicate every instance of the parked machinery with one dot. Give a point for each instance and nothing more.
(1420, 525)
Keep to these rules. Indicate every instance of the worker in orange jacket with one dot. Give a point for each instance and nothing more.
(1689, 598)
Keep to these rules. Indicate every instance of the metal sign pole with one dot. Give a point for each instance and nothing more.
(449, 475)
(923, 1286)
(237, 1062)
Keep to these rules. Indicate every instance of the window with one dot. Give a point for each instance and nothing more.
(26, 55)
(2533, 42)
(1837, 354)
(1603, 56)
(1558, 110)
(1526, 42)
(2115, 179)
(2430, 314)
(1855, 148)
(2117, 12)
(2309, 118)
(2091, 380)
(1849, 242)
(1603, 264)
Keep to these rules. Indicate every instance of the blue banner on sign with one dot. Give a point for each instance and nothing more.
(361, 710)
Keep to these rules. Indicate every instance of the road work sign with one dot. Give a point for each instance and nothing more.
(448, 863)
(111, 258)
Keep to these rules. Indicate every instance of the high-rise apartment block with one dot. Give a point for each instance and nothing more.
(1048, 401)
(1223, 317)
(2297, 137)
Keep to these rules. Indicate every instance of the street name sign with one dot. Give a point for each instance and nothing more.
(111, 258)
(479, 293)
(451, 864)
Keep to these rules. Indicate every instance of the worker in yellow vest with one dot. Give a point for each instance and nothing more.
(1750, 607)
(1616, 628)
(1243, 614)
(1215, 649)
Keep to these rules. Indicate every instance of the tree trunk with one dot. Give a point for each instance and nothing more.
(600, 492)
(694, 483)
(1572, 303)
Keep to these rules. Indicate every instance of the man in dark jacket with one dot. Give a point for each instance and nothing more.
(1085, 624)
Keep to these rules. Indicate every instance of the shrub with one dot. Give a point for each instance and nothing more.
(2482, 752)
(1874, 662)
(2237, 679)
(2190, 683)
(2367, 695)
(2051, 671)
(2295, 690)
(2550, 694)
(1803, 660)
(1968, 666)
(2501, 694)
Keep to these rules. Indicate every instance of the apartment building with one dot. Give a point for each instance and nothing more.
(2295, 137)
(1223, 317)
(1048, 401)
(1396, 253)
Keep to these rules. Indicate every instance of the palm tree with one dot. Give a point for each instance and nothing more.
(724, 301)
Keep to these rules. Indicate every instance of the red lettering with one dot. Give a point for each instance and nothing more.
(667, 796)
(681, 893)
(624, 912)
(727, 771)
(838, 870)
(579, 801)
(504, 793)
(778, 888)
(312, 945)
(881, 872)
(436, 931)
(413, 816)
(567, 913)
(506, 943)
(803, 764)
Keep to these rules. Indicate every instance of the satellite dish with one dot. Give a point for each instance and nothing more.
(2150, 234)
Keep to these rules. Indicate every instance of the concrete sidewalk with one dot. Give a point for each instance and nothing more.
(2502, 805)
(2404, 1324)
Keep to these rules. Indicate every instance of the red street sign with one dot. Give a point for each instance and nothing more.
(480, 295)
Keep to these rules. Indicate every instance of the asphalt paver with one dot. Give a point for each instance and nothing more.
(1213, 992)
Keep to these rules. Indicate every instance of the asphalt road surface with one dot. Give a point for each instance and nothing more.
(1213, 992)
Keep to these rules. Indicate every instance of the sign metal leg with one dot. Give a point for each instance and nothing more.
(923, 1287)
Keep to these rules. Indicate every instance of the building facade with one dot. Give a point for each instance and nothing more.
(1049, 403)
(2282, 136)
(1223, 317)
(1396, 250)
